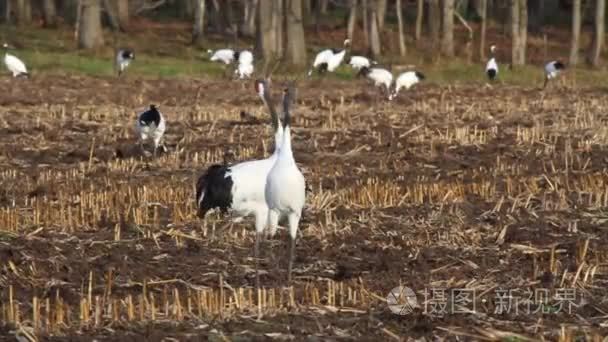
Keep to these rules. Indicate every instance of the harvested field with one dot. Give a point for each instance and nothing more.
(473, 197)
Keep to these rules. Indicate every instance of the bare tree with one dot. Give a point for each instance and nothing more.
(90, 35)
(419, 16)
(296, 45)
(483, 13)
(434, 21)
(7, 12)
(447, 39)
(199, 21)
(110, 10)
(24, 12)
(402, 48)
(523, 31)
(265, 35)
(49, 12)
(352, 19)
(576, 31)
(598, 33)
(381, 12)
(364, 14)
(249, 20)
(514, 32)
(122, 11)
(374, 32)
(277, 26)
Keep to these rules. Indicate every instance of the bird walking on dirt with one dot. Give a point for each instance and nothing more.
(240, 187)
(14, 64)
(151, 126)
(552, 70)
(406, 80)
(285, 185)
(382, 78)
(492, 66)
(124, 57)
(329, 59)
(226, 56)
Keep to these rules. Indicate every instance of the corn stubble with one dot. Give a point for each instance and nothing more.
(439, 189)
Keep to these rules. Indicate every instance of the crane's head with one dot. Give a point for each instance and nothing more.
(559, 65)
(260, 87)
(492, 48)
(6, 46)
(347, 42)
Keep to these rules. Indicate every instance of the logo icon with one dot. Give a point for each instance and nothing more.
(401, 300)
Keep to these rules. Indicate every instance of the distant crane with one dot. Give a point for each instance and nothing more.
(329, 59)
(14, 64)
(151, 126)
(492, 66)
(552, 70)
(124, 57)
(406, 80)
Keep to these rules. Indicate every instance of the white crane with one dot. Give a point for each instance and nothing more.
(379, 76)
(552, 70)
(244, 68)
(406, 80)
(124, 57)
(492, 66)
(240, 187)
(151, 126)
(358, 62)
(329, 59)
(226, 56)
(14, 64)
(285, 185)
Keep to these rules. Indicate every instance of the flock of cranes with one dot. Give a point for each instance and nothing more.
(272, 188)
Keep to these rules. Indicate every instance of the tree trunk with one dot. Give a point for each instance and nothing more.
(576, 31)
(265, 35)
(122, 11)
(364, 14)
(419, 17)
(447, 39)
(598, 33)
(250, 14)
(483, 13)
(90, 34)
(523, 31)
(374, 32)
(278, 26)
(199, 22)
(434, 22)
(402, 48)
(514, 32)
(111, 14)
(323, 5)
(49, 12)
(381, 12)
(7, 12)
(24, 12)
(296, 45)
(352, 19)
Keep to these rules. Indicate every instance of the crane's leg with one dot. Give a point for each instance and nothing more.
(261, 217)
(294, 220)
(546, 82)
(273, 222)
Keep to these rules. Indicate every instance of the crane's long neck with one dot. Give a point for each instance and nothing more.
(276, 122)
(286, 144)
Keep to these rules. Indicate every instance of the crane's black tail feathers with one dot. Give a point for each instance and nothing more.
(214, 190)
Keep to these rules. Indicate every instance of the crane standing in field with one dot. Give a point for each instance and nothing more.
(329, 59)
(14, 64)
(285, 188)
(244, 68)
(552, 70)
(492, 66)
(124, 57)
(382, 78)
(151, 126)
(240, 187)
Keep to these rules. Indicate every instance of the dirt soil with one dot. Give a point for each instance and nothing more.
(456, 190)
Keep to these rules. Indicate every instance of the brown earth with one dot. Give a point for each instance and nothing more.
(460, 187)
